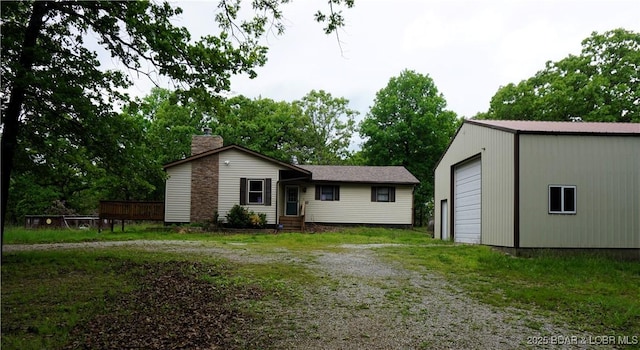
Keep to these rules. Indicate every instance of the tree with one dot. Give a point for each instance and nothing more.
(409, 126)
(330, 125)
(601, 84)
(275, 129)
(53, 85)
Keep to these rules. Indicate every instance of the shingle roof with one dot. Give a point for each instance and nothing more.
(560, 127)
(364, 174)
(222, 149)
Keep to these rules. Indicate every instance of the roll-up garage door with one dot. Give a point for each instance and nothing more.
(468, 202)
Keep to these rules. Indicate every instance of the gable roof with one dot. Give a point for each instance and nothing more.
(235, 147)
(361, 174)
(328, 173)
(566, 128)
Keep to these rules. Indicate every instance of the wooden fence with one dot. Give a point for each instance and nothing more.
(131, 210)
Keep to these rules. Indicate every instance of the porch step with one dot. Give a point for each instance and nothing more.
(292, 223)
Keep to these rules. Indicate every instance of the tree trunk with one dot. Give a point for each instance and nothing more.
(11, 117)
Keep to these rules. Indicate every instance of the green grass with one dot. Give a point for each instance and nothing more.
(46, 295)
(587, 292)
(19, 235)
(594, 294)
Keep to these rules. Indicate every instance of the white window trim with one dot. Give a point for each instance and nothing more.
(249, 192)
(562, 188)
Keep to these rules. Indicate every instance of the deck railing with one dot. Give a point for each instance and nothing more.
(126, 210)
(130, 210)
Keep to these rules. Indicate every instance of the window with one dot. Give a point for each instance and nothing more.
(255, 191)
(562, 199)
(383, 194)
(328, 193)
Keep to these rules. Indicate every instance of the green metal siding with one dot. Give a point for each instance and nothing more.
(606, 173)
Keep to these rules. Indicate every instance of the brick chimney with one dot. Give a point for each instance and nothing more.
(206, 142)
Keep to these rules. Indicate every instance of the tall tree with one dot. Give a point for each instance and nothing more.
(408, 125)
(330, 125)
(600, 84)
(275, 129)
(54, 88)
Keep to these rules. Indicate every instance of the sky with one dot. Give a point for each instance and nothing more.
(469, 48)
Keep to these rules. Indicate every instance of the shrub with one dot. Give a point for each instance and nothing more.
(240, 217)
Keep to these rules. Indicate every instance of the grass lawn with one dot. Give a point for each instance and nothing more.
(49, 296)
(590, 293)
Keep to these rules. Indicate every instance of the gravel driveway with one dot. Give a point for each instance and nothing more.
(368, 303)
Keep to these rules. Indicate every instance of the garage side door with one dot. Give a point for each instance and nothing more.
(467, 202)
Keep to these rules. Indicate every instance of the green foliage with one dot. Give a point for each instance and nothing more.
(241, 217)
(408, 125)
(272, 128)
(314, 130)
(329, 126)
(601, 84)
(60, 123)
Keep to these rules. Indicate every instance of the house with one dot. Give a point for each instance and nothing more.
(216, 177)
(524, 185)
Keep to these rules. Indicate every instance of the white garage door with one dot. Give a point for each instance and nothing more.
(467, 202)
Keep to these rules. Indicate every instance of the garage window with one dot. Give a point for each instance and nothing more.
(562, 199)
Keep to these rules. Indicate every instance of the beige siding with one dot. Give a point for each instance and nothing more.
(355, 207)
(241, 165)
(606, 172)
(178, 194)
(496, 151)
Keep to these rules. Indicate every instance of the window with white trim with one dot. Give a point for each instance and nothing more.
(256, 193)
(562, 199)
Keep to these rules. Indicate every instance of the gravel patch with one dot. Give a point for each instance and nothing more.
(367, 303)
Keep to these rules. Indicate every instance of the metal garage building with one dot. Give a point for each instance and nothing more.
(528, 184)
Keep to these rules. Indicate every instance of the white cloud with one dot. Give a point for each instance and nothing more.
(469, 48)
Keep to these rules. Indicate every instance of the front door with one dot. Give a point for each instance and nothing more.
(291, 195)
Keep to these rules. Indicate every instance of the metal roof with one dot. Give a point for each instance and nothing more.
(529, 126)
(364, 174)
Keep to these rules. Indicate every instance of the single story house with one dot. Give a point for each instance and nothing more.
(216, 177)
(534, 184)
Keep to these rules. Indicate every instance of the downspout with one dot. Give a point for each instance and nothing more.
(516, 190)
(277, 192)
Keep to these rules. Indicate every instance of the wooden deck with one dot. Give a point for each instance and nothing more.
(130, 210)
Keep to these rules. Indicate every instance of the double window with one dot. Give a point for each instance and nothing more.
(562, 199)
(383, 194)
(255, 191)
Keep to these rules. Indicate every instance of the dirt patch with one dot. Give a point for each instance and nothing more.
(173, 308)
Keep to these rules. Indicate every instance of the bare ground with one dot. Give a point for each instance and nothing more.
(368, 303)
